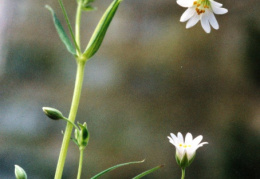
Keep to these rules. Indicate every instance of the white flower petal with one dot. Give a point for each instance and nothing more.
(185, 3)
(174, 138)
(205, 22)
(203, 143)
(219, 10)
(188, 138)
(197, 140)
(194, 20)
(214, 3)
(187, 14)
(190, 153)
(180, 137)
(188, 148)
(200, 145)
(171, 141)
(213, 21)
(180, 152)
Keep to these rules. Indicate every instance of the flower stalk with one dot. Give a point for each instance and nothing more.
(182, 173)
(81, 154)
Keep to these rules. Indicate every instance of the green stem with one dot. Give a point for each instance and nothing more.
(182, 173)
(69, 26)
(80, 162)
(76, 127)
(72, 116)
(77, 25)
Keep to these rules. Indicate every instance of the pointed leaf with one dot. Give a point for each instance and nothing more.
(63, 36)
(114, 167)
(100, 31)
(148, 172)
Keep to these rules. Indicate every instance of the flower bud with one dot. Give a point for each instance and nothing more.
(19, 172)
(82, 135)
(52, 113)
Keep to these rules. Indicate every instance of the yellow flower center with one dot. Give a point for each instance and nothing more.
(201, 5)
(184, 146)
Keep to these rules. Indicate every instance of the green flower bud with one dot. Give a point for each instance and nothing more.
(52, 113)
(19, 172)
(82, 135)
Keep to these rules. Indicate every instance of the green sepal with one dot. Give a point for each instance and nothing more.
(82, 135)
(19, 172)
(148, 172)
(62, 34)
(177, 160)
(100, 31)
(191, 160)
(184, 162)
(114, 167)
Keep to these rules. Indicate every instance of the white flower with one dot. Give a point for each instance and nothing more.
(185, 150)
(202, 10)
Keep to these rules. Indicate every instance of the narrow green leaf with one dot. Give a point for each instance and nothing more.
(100, 31)
(114, 167)
(148, 172)
(63, 36)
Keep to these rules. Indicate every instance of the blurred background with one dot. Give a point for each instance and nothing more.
(150, 77)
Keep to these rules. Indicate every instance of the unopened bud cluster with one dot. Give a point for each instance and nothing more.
(82, 135)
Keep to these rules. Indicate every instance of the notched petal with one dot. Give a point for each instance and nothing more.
(205, 23)
(213, 21)
(219, 10)
(187, 14)
(193, 21)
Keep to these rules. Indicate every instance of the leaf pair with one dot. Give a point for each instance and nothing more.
(98, 35)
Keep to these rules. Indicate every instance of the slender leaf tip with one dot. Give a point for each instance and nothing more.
(62, 34)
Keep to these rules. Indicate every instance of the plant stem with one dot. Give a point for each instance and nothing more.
(75, 100)
(80, 162)
(183, 173)
(72, 116)
(77, 25)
